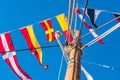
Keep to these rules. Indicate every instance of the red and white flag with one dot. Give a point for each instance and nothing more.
(89, 27)
(9, 55)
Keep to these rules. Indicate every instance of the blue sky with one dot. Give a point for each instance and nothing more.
(15, 14)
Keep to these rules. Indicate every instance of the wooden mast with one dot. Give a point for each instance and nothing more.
(73, 68)
(74, 65)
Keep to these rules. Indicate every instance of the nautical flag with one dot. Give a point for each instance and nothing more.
(49, 31)
(32, 42)
(93, 15)
(117, 15)
(64, 26)
(9, 55)
(88, 26)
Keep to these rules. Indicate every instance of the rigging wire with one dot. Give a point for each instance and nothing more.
(101, 65)
(69, 11)
(72, 16)
(75, 25)
(19, 50)
(86, 3)
(61, 63)
(71, 20)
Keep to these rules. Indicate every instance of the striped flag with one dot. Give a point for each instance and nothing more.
(89, 27)
(64, 26)
(9, 55)
(32, 42)
(117, 15)
(93, 15)
(49, 31)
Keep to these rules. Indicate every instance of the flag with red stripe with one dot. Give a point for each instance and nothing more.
(64, 26)
(9, 55)
(49, 31)
(89, 27)
(33, 43)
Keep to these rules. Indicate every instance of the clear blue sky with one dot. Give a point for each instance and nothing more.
(15, 14)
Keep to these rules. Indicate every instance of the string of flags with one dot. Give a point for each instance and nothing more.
(7, 45)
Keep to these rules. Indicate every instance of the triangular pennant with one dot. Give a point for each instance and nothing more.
(93, 15)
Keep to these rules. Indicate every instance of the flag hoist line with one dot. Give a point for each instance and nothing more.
(10, 57)
(80, 37)
(63, 44)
